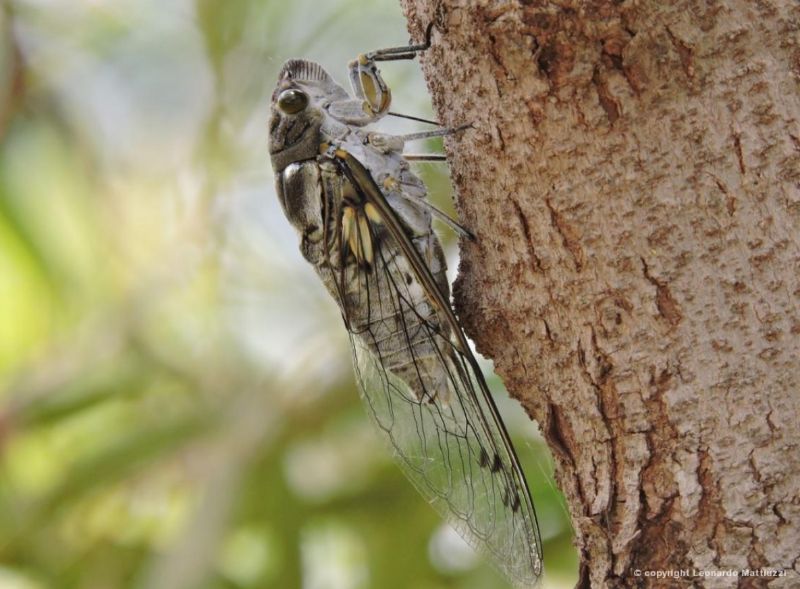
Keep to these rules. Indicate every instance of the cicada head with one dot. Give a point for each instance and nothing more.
(302, 92)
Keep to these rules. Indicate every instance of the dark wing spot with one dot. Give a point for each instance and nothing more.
(511, 499)
(409, 279)
(483, 459)
(497, 464)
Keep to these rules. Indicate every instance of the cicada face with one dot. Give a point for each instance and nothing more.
(295, 119)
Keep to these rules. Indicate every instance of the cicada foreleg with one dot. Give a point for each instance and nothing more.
(366, 79)
(372, 94)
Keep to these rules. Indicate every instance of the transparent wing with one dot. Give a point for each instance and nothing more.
(448, 441)
(423, 388)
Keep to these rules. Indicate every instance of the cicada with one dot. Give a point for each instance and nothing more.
(365, 225)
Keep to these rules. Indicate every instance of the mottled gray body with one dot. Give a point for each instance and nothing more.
(365, 225)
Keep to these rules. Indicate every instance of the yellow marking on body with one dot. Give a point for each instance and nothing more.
(362, 59)
(355, 246)
(350, 231)
(347, 223)
(365, 238)
(372, 213)
(386, 99)
(356, 234)
(349, 193)
(324, 147)
(370, 90)
(390, 183)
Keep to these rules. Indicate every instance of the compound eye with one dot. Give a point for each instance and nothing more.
(292, 101)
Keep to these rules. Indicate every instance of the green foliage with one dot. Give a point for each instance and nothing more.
(176, 399)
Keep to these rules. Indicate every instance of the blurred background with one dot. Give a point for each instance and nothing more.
(177, 407)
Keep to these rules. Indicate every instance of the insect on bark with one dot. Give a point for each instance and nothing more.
(365, 225)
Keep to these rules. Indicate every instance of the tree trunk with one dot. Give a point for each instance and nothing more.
(633, 179)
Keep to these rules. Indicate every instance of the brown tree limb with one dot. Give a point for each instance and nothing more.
(633, 179)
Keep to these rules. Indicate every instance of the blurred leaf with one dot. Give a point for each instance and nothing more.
(114, 460)
(222, 25)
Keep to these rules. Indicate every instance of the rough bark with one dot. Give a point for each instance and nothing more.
(633, 179)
